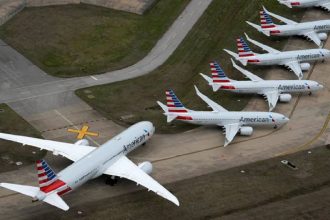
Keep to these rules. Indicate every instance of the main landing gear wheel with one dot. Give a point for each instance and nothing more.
(111, 180)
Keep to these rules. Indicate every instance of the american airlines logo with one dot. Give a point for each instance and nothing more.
(135, 142)
(308, 57)
(321, 27)
(257, 119)
(291, 87)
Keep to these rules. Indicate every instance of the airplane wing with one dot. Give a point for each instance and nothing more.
(272, 98)
(248, 74)
(325, 6)
(215, 106)
(285, 20)
(295, 67)
(264, 47)
(71, 151)
(230, 132)
(125, 168)
(313, 37)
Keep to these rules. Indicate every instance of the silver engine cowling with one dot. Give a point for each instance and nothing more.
(305, 66)
(146, 166)
(285, 98)
(322, 36)
(82, 142)
(246, 131)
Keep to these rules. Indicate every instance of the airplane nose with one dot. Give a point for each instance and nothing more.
(321, 86)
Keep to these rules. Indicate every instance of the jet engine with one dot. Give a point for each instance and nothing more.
(246, 131)
(305, 66)
(82, 142)
(322, 36)
(146, 166)
(285, 98)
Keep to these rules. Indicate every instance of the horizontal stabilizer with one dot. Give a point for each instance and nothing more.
(31, 191)
(266, 32)
(170, 116)
(215, 86)
(55, 200)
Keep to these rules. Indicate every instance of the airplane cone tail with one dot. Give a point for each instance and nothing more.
(243, 48)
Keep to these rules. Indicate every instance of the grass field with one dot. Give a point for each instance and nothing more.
(130, 101)
(267, 190)
(10, 152)
(76, 40)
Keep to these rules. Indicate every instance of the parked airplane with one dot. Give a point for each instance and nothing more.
(313, 30)
(294, 60)
(325, 4)
(233, 122)
(272, 90)
(89, 163)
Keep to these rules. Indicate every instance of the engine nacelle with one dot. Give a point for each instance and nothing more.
(285, 98)
(146, 166)
(322, 36)
(82, 142)
(305, 66)
(246, 131)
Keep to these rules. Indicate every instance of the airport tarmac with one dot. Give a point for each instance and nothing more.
(181, 156)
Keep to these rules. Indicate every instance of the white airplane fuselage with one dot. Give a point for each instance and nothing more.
(303, 3)
(299, 28)
(283, 57)
(259, 87)
(224, 118)
(95, 163)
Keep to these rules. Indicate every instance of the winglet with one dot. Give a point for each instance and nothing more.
(215, 106)
(263, 46)
(285, 2)
(247, 73)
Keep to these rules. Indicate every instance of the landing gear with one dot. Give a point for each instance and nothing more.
(310, 93)
(111, 180)
(275, 126)
(144, 143)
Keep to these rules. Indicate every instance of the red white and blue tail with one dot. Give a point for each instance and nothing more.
(46, 175)
(218, 75)
(173, 103)
(243, 48)
(265, 20)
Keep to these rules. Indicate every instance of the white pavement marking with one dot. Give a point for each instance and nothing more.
(71, 123)
(93, 77)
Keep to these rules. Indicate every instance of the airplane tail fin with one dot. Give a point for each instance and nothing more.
(46, 175)
(173, 106)
(173, 103)
(266, 21)
(53, 199)
(243, 48)
(218, 75)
